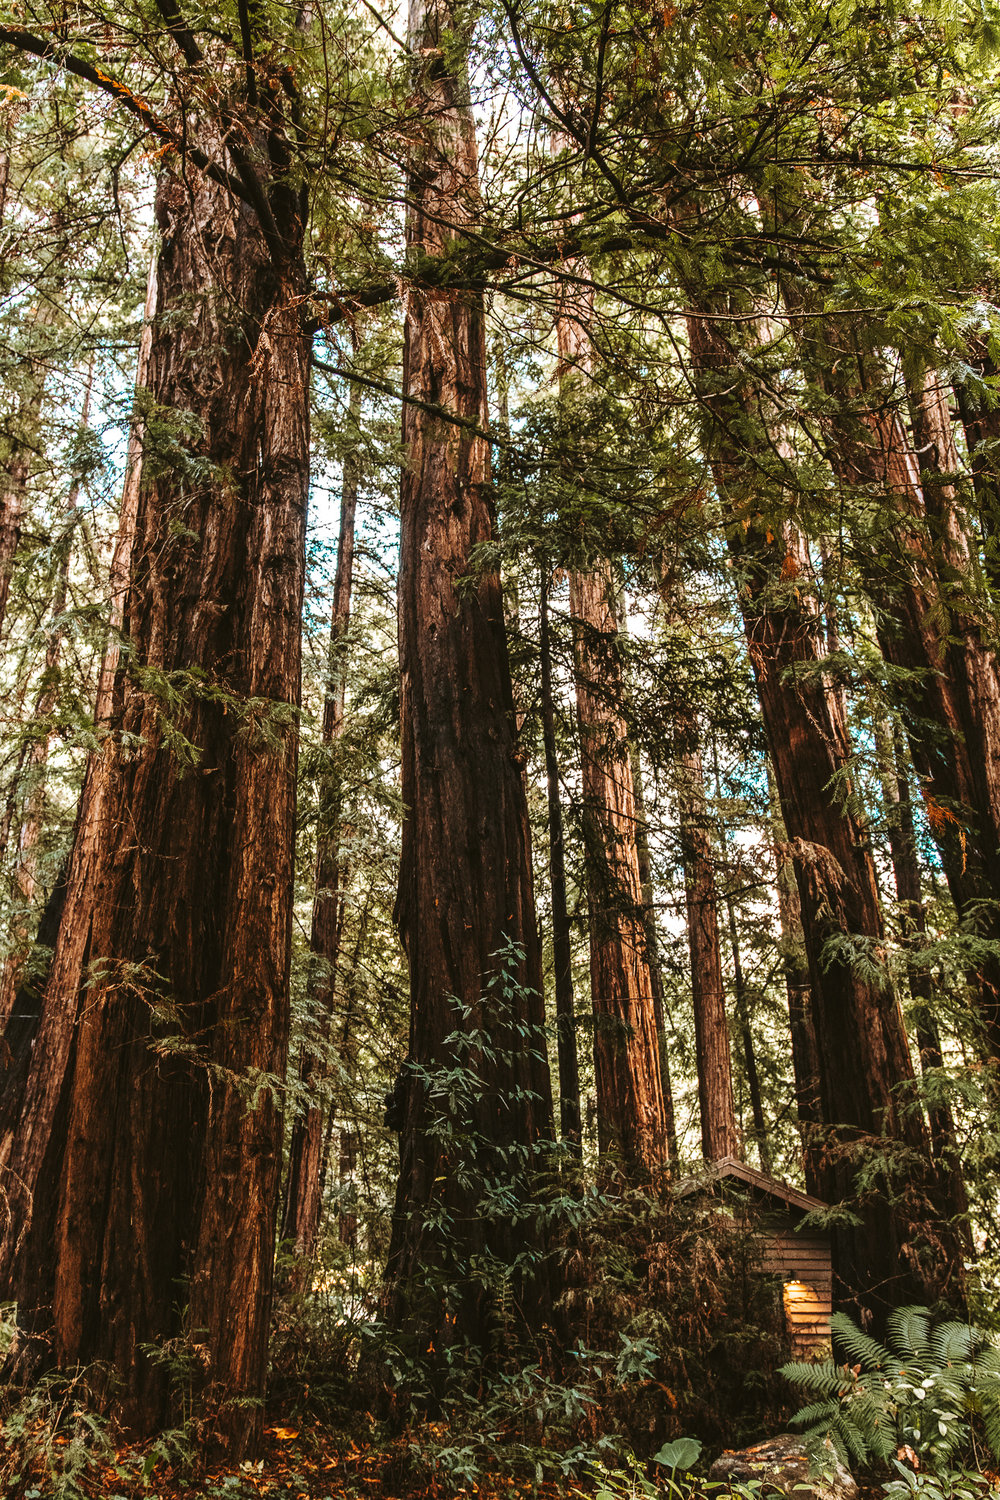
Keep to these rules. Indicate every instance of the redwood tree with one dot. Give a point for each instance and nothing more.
(465, 887)
(147, 1152)
(720, 1135)
(895, 1253)
(631, 1111)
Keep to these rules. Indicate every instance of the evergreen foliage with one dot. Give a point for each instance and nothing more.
(774, 235)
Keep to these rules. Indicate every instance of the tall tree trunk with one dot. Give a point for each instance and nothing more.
(951, 695)
(720, 1133)
(632, 1126)
(128, 510)
(746, 1037)
(631, 1115)
(861, 1043)
(805, 1055)
(981, 425)
(652, 944)
(562, 956)
(465, 887)
(302, 1195)
(913, 923)
(148, 1149)
(18, 1039)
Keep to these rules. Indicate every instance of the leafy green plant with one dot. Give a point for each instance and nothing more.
(956, 1484)
(52, 1439)
(632, 1482)
(934, 1387)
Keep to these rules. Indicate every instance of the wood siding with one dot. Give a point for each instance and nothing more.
(804, 1264)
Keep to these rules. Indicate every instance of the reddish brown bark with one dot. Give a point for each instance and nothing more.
(742, 1009)
(631, 1110)
(720, 1133)
(805, 1056)
(303, 1196)
(913, 923)
(893, 1255)
(121, 559)
(929, 629)
(465, 889)
(652, 945)
(631, 1117)
(148, 1149)
(981, 424)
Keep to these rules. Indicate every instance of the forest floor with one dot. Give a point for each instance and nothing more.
(299, 1462)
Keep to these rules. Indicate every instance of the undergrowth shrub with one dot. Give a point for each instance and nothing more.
(661, 1323)
(931, 1391)
(673, 1287)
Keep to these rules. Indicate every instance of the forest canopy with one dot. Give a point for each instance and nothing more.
(500, 703)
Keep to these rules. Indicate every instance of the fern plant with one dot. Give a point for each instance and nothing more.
(933, 1387)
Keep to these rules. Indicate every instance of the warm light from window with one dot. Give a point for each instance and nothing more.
(795, 1291)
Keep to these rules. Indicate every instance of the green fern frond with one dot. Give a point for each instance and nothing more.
(852, 1439)
(953, 1343)
(860, 1348)
(826, 1377)
(989, 1409)
(869, 1414)
(907, 1330)
(818, 1412)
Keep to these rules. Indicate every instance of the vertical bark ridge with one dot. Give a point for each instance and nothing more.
(720, 1133)
(861, 1043)
(465, 886)
(632, 1125)
(149, 1144)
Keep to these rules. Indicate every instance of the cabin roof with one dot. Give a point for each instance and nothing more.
(772, 1187)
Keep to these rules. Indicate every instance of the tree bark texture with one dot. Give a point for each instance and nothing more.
(19, 1037)
(148, 1149)
(928, 629)
(893, 1255)
(746, 1037)
(303, 1198)
(913, 922)
(930, 619)
(121, 558)
(631, 1111)
(805, 1055)
(720, 1134)
(981, 425)
(631, 1116)
(465, 887)
(652, 945)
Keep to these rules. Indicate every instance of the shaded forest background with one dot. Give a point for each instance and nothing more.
(498, 589)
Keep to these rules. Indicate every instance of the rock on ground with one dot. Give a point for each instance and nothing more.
(783, 1464)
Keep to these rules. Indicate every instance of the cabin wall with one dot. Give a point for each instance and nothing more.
(803, 1262)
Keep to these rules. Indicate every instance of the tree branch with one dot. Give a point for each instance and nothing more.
(384, 388)
(180, 31)
(25, 41)
(245, 186)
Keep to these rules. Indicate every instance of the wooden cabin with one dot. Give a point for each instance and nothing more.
(802, 1258)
